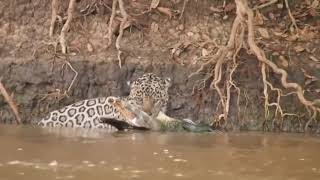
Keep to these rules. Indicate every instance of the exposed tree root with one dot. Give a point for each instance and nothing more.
(59, 94)
(244, 23)
(267, 104)
(74, 77)
(110, 29)
(66, 26)
(293, 20)
(265, 4)
(54, 6)
(11, 103)
(122, 27)
(310, 105)
(183, 8)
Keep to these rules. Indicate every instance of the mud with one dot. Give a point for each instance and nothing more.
(37, 76)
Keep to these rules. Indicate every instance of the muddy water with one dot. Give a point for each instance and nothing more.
(37, 154)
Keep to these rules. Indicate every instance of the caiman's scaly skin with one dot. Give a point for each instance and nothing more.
(135, 116)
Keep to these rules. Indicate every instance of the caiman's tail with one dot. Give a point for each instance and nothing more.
(171, 124)
(191, 126)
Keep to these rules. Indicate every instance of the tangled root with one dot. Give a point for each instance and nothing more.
(110, 29)
(244, 23)
(54, 6)
(66, 26)
(54, 16)
(123, 25)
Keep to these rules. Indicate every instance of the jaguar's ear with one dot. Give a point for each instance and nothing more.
(129, 83)
(168, 81)
(111, 99)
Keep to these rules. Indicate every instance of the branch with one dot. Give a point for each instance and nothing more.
(11, 103)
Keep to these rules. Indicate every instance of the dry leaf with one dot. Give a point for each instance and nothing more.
(280, 6)
(165, 11)
(154, 27)
(305, 73)
(154, 4)
(292, 38)
(278, 33)
(89, 47)
(315, 4)
(299, 49)
(229, 7)
(313, 12)
(216, 10)
(314, 59)
(258, 19)
(307, 82)
(272, 16)
(308, 34)
(309, 78)
(283, 61)
(275, 54)
(264, 33)
(204, 52)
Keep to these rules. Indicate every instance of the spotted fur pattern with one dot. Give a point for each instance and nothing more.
(151, 86)
(88, 113)
(84, 114)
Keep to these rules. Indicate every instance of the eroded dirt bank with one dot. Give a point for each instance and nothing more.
(38, 87)
(38, 75)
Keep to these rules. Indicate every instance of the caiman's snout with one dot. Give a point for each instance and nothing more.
(128, 112)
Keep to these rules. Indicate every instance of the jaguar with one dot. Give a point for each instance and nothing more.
(151, 93)
(86, 114)
(147, 92)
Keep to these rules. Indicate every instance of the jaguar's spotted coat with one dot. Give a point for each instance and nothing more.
(151, 90)
(86, 114)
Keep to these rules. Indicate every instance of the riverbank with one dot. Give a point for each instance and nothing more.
(42, 79)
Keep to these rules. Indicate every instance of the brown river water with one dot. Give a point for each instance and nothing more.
(42, 154)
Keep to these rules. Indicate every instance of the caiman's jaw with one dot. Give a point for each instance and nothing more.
(129, 112)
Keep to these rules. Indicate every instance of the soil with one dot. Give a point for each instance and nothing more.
(35, 71)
